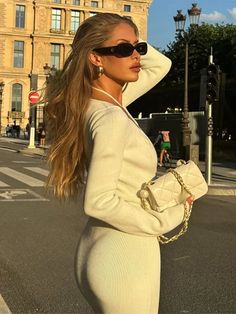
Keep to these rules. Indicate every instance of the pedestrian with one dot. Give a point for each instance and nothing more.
(164, 139)
(95, 142)
(8, 130)
(14, 129)
(42, 137)
(27, 128)
(18, 129)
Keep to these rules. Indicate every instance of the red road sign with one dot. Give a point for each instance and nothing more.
(34, 97)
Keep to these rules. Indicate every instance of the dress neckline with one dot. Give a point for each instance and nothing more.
(119, 105)
(106, 93)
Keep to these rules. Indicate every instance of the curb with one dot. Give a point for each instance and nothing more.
(33, 151)
(225, 190)
(27, 151)
(9, 148)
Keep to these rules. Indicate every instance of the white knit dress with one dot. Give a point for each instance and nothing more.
(118, 258)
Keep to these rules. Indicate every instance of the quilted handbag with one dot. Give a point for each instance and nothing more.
(172, 189)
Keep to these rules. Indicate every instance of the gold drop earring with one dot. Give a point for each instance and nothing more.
(100, 71)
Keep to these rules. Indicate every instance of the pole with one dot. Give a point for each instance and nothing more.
(32, 129)
(185, 121)
(208, 157)
(0, 113)
(33, 86)
(209, 142)
(186, 79)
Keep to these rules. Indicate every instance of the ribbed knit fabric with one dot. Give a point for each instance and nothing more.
(118, 258)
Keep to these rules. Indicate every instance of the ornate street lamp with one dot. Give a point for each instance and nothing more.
(46, 69)
(49, 71)
(1, 92)
(180, 19)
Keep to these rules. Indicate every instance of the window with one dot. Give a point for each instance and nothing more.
(94, 4)
(76, 2)
(127, 8)
(18, 54)
(75, 19)
(57, 1)
(16, 103)
(56, 19)
(20, 16)
(55, 55)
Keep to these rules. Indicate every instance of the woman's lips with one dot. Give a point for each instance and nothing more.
(135, 68)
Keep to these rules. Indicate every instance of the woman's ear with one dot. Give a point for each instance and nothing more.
(95, 59)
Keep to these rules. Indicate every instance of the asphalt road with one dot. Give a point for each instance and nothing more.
(38, 239)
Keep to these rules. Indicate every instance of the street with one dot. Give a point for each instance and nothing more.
(39, 236)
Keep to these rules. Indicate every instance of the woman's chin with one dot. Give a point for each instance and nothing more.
(133, 78)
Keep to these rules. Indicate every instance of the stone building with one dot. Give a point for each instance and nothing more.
(35, 33)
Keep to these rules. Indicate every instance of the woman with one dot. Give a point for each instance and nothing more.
(96, 141)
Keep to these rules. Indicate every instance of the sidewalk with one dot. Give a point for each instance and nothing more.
(21, 146)
(223, 181)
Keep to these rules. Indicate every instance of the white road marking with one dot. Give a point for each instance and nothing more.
(22, 162)
(15, 195)
(8, 195)
(38, 170)
(9, 150)
(21, 177)
(4, 309)
(3, 184)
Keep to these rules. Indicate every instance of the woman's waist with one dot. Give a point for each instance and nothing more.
(97, 229)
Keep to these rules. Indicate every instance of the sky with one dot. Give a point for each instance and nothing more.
(161, 25)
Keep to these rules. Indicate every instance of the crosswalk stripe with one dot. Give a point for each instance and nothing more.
(30, 181)
(2, 185)
(38, 170)
(3, 306)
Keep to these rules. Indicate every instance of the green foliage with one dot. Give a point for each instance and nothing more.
(222, 38)
(170, 91)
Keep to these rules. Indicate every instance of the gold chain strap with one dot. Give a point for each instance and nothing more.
(180, 180)
(187, 212)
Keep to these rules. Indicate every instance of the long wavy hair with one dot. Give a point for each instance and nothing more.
(67, 97)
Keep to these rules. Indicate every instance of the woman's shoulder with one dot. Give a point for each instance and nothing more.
(103, 113)
(101, 108)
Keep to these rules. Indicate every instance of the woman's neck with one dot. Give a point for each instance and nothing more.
(112, 94)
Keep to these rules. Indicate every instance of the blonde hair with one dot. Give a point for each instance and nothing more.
(67, 97)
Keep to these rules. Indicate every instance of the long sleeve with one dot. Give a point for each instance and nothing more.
(108, 131)
(154, 66)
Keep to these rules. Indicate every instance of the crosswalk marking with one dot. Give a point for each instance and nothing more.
(30, 181)
(38, 170)
(3, 306)
(22, 162)
(3, 185)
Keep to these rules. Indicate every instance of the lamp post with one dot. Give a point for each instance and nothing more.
(1, 92)
(180, 19)
(33, 110)
(49, 71)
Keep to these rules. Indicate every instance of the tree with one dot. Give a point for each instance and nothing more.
(170, 91)
(222, 38)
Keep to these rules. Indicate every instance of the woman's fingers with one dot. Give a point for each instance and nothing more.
(190, 199)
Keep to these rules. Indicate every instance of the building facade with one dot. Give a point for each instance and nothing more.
(35, 33)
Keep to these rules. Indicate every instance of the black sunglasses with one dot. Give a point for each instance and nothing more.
(122, 50)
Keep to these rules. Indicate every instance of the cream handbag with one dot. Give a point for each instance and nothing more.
(172, 189)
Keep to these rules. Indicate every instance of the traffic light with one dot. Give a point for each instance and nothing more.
(212, 92)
